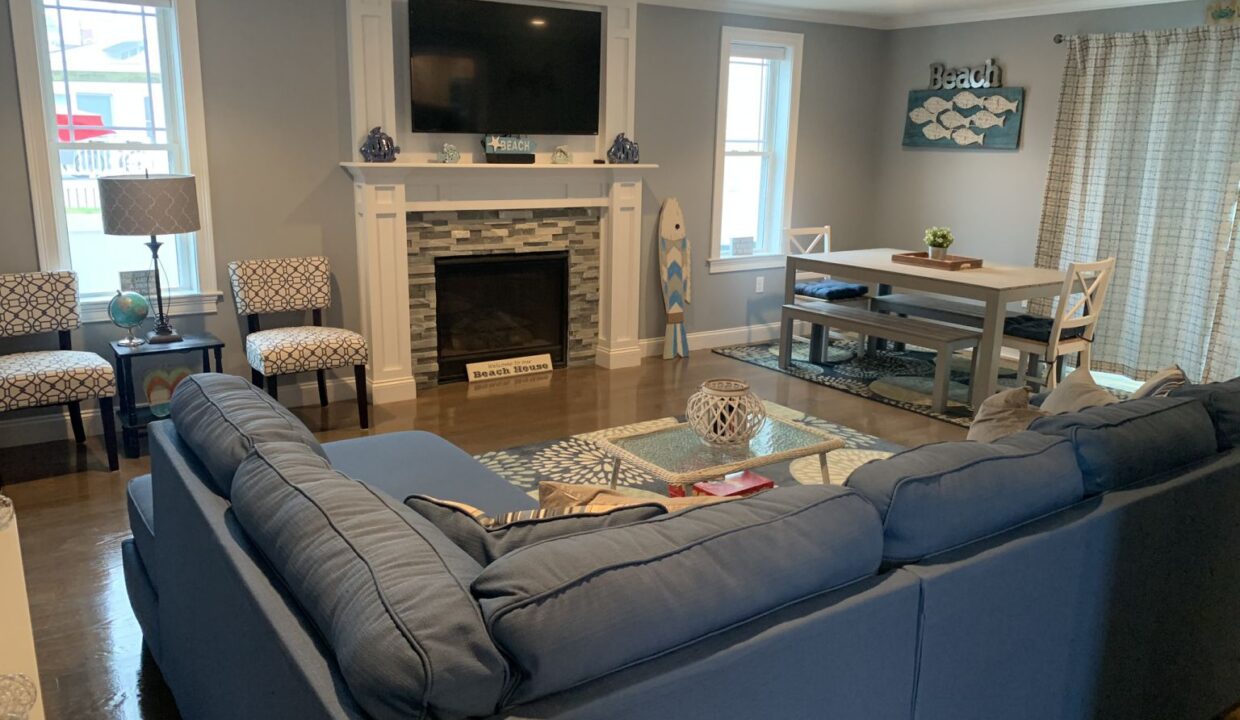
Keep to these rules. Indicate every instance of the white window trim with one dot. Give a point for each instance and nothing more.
(794, 41)
(51, 241)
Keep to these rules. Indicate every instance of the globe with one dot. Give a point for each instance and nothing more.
(128, 309)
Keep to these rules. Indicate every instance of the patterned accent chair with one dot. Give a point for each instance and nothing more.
(43, 302)
(295, 285)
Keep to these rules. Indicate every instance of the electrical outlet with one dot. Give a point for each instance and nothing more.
(760, 285)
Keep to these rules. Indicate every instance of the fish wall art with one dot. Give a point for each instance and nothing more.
(981, 119)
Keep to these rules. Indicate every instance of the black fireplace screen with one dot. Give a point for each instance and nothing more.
(491, 307)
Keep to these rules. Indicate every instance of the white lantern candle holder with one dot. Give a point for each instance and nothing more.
(724, 412)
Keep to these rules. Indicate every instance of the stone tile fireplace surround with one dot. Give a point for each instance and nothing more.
(490, 232)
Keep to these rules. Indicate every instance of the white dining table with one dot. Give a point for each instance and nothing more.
(994, 285)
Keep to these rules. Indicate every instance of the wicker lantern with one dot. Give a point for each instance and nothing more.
(724, 412)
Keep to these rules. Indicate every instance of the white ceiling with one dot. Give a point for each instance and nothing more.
(892, 14)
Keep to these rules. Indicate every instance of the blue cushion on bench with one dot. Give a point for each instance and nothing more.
(831, 290)
(1038, 328)
(940, 496)
(1125, 443)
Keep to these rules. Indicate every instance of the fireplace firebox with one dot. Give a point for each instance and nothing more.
(496, 306)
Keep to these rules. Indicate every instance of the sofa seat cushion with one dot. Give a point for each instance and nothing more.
(1222, 401)
(140, 503)
(488, 538)
(142, 596)
(827, 289)
(221, 417)
(583, 606)
(401, 464)
(938, 497)
(387, 590)
(1125, 443)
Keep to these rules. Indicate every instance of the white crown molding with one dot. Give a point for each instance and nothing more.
(1010, 12)
(778, 12)
(882, 21)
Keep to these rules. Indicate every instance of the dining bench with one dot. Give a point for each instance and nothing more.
(943, 339)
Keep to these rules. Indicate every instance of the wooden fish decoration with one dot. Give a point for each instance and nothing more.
(966, 100)
(936, 104)
(935, 131)
(921, 115)
(998, 104)
(674, 270)
(965, 136)
(952, 119)
(985, 119)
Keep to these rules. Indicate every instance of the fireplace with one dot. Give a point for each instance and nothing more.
(491, 307)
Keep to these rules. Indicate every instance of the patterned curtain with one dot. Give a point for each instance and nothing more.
(1145, 167)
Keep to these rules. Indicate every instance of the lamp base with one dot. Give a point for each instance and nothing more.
(161, 336)
(130, 341)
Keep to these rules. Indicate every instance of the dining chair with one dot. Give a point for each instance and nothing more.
(295, 285)
(45, 302)
(817, 239)
(1071, 330)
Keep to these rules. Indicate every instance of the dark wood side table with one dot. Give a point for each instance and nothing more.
(134, 419)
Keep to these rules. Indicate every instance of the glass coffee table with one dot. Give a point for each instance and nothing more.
(678, 457)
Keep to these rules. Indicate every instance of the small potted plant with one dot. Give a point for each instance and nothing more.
(938, 239)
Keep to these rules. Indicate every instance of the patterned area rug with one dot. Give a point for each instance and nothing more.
(903, 379)
(578, 459)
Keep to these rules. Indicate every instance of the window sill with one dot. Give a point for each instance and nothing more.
(96, 311)
(748, 262)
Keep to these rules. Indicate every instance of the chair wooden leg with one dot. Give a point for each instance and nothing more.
(256, 377)
(1085, 358)
(785, 343)
(1029, 371)
(942, 381)
(363, 410)
(272, 388)
(322, 378)
(109, 432)
(75, 419)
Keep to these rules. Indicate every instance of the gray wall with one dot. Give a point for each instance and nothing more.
(992, 200)
(677, 100)
(275, 87)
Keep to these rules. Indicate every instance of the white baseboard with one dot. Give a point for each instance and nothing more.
(55, 425)
(710, 339)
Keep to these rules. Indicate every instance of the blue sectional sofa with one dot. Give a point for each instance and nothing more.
(1085, 568)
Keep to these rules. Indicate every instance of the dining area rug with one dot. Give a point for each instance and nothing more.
(578, 459)
(903, 379)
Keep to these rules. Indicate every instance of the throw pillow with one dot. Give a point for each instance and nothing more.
(1077, 392)
(1004, 414)
(486, 538)
(1162, 384)
(553, 494)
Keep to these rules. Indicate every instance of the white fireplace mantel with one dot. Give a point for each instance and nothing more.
(384, 193)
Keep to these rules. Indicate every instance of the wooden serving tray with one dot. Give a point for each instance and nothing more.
(953, 262)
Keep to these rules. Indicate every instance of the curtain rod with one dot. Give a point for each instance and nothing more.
(1059, 38)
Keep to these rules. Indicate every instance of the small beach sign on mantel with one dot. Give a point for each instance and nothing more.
(965, 109)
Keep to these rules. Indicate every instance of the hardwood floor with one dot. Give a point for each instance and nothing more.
(72, 518)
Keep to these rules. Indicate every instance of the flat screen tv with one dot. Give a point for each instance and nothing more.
(497, 67)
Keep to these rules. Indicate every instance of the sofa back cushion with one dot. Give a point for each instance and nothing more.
(575, 608)
(1222, 402)
(937, 497)
(1125, 443)
(386, 589)
(220, 417)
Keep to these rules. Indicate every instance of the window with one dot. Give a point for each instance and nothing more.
(113, 80)
(759, 88)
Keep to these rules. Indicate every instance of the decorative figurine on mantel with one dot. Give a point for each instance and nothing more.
(449, 155)
(561, 156)
(623, 151)
(379, 147)
(674, 269)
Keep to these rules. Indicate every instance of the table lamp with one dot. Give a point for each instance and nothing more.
(151, 205)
